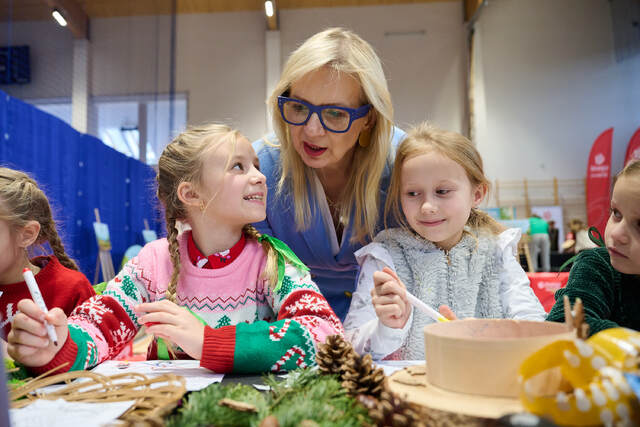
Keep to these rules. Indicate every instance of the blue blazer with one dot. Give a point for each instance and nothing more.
(335, 275)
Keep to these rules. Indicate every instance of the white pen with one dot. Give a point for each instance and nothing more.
(34, 290)
(426, 309)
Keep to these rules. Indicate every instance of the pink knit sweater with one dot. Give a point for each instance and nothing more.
(249, 328)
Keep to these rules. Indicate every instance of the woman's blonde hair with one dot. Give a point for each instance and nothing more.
(343, 52)
(182, 161)
(425, 138)
(21, 201)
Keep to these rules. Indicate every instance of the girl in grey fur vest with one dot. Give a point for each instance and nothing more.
(446, 252)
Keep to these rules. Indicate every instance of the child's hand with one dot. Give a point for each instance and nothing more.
(390, 299)
(28, 342)
(446, 311)
(169, 321)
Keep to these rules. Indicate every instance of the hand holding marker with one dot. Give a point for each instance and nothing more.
(37, 298)
(426, 309)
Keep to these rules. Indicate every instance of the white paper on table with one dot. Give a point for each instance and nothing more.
(60, 413)
(391, 366)
(196, 377)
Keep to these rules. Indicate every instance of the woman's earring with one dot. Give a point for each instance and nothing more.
(365, 138)
(202, 206)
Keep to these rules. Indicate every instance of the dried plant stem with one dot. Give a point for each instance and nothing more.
(153, 396)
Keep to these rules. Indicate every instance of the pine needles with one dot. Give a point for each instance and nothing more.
(304, 395)
(202, 408)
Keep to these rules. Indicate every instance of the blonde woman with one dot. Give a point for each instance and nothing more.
(329, 162)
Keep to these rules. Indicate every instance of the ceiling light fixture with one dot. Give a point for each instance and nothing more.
(268, 8)
(59, 18)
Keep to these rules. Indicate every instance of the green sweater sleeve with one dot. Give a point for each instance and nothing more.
(595, 282)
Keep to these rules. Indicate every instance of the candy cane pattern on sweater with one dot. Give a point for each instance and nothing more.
(278, 335)
(243, 344)
(91, 347)
(293, 350)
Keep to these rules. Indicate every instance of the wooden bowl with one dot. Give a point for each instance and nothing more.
(482, 356)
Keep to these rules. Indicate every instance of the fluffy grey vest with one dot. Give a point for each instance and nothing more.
(466, 279)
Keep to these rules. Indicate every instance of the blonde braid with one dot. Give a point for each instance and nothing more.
(174, 251)
(49, 232)
(270, 273)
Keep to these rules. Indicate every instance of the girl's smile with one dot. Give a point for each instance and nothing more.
(432, 223)
(255, 198)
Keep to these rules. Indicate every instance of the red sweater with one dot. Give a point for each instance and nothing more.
(60, 287)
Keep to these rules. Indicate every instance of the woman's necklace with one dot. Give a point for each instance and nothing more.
(334, 209)
(331, 203)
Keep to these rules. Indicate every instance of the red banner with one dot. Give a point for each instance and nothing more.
(633, 149)
(598, 181)
(545, 285)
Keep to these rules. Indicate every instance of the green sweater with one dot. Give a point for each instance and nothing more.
(611, 299)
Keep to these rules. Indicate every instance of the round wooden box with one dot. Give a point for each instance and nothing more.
(472, 365)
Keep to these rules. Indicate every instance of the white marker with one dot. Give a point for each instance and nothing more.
(37, 298)
(426, 309)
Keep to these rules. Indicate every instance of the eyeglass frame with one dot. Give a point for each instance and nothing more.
(354, 113)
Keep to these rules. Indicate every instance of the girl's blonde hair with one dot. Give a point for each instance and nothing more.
(630, 170)
(21, 201)
(425, 138)
(343, 52)
(181, 161)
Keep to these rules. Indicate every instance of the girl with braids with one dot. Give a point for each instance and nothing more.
(607, 279)
(25, 221)
(447, 253)
(221, 293)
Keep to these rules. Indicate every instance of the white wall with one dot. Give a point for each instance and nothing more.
(547, 85)
(130, 55)
(219, 63)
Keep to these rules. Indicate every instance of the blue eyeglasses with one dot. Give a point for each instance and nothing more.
(333, 118)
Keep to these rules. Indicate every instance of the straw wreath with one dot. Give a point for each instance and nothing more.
(154, 396)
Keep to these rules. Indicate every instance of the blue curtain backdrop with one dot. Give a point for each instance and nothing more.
(79, 173)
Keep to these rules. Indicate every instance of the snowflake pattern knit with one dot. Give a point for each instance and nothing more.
(250, 328)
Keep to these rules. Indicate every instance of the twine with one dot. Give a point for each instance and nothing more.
(153, 396)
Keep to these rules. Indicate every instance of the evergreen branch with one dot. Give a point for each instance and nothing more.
(202, 409)
(304, 395)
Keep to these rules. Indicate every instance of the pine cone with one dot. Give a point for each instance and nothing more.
(333, 354)
(362, 377)
(391, 411)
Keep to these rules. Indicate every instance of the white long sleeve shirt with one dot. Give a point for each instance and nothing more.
(369, 335)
